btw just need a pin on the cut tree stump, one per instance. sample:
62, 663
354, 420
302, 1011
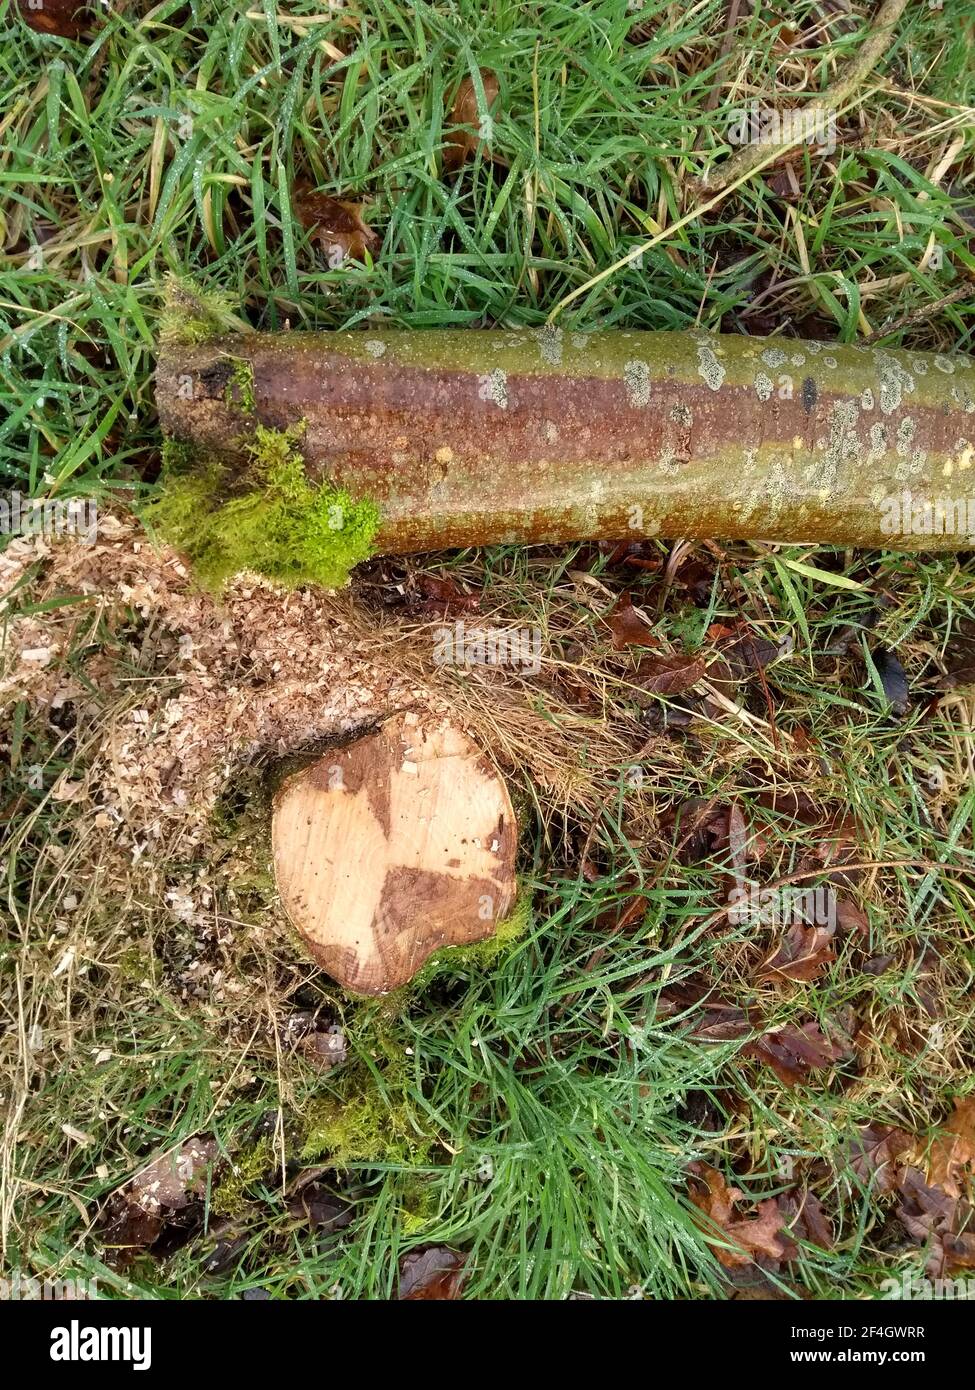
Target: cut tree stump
392, 847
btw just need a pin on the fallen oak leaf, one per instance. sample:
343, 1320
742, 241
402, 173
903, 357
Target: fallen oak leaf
462, 142
335, 224
941, 1222
68, 19
628, 627
849, 916
793, 1052
715, 1020
668, 675
747, 652
321, 1208
442, 595
749, 1237
810, 1222
434, 1272
952, 1154
802, 954
875, 1153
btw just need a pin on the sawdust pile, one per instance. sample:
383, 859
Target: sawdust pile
202, 686
169, 692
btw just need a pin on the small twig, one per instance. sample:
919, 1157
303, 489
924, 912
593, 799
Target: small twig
926, 311
876, 44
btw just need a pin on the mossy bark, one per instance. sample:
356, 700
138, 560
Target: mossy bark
475, 437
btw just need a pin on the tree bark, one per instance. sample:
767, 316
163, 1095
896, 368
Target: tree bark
475, 437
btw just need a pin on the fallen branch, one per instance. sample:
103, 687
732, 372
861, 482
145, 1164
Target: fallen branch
465, 438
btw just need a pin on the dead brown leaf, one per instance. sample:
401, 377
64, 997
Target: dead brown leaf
802, 954
942, 1223
442, 595
793, 1052
69, 19
434, 1272
751, 1237
335, 224
629, 629
467, 131
952, 1154
668, 675
875, 1153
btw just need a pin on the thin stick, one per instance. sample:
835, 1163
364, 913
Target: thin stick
876, 44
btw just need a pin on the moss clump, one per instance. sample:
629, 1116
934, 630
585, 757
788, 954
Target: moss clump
271, 520
364, 1128
194, 315
246, 1168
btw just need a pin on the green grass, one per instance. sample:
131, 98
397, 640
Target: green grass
170, 144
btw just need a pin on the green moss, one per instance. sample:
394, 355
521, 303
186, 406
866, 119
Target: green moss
246, 1168
240, 388
271, 520
364, 1128
194, 315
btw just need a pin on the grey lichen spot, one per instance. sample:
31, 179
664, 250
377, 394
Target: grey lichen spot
919, 365
682, 415
636, 377
550, 344
580, 341
773, 357
842, 445
375, 347
829, 362
709, 367
944, 364
878, 440
894, 382
668, 464
918, 459
764, 386
550, 431
814, 347
798, 359
494, 387
867, 400
905, 435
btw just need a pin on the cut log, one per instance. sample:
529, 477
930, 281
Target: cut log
392, 847
475, 437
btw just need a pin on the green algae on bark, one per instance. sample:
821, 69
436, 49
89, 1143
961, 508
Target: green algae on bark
267, 517
465, 437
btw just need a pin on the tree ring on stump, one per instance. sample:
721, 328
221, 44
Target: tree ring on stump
392, 847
